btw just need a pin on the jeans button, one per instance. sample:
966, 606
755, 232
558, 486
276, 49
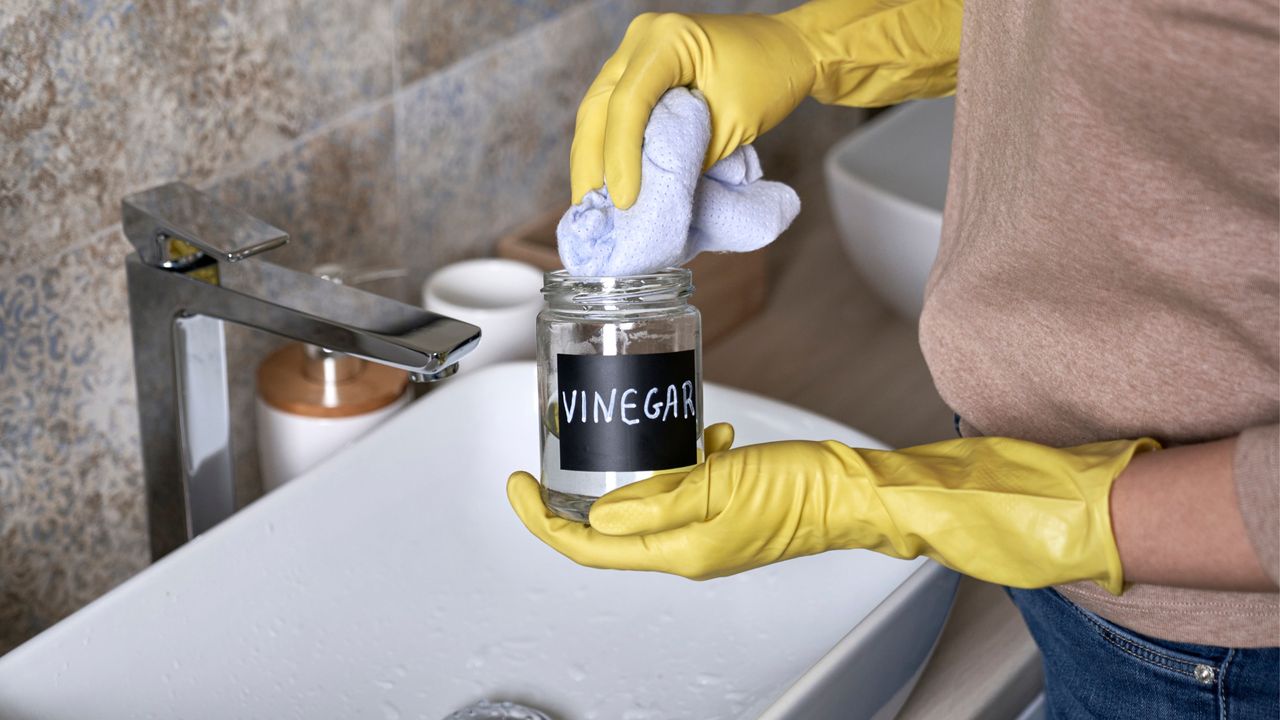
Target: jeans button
1205, 674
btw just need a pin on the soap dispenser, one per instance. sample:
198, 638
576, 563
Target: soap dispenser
312, 401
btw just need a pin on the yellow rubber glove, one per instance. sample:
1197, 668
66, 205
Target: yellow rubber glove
1001, 510
754, 70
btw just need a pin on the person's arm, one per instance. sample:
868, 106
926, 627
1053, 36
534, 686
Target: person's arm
1002, 510
998, 509
1177, 521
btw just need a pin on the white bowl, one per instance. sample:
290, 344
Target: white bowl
887, 183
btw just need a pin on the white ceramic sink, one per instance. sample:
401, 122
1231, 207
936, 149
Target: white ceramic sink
394, 581
888, 184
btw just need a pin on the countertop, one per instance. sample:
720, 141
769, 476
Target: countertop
824, 342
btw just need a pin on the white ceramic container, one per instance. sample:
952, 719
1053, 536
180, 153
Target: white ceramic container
500, 296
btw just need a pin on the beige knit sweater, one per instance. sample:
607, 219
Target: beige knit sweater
1110, 259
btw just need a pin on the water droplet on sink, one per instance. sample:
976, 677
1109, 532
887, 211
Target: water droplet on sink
389, 711
577, 673
705, 679
384, 684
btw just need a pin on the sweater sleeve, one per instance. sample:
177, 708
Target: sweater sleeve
1257, 476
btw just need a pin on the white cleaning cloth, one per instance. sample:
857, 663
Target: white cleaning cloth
679, 212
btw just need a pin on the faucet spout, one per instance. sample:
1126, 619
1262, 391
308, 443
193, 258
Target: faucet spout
196, 268
303, 307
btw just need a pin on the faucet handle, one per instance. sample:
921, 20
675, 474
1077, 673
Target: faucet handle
177, 211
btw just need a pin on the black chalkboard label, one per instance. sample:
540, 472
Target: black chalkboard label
627, 413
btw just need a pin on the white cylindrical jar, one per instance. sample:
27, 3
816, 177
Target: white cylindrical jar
620, 383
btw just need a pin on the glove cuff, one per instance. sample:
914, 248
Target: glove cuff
869, 54
1113, 581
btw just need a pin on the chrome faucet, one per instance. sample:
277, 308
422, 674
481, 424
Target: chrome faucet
194, 269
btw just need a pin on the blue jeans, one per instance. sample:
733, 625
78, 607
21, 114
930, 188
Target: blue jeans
1094, 668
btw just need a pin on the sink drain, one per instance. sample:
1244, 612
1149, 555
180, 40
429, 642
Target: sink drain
485, 710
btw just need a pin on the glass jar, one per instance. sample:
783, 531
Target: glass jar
619, 383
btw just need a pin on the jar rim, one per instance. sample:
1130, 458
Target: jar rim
657, 286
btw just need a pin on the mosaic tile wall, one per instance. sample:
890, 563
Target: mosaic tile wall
377, 132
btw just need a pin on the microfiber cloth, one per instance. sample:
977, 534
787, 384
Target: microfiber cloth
680, 211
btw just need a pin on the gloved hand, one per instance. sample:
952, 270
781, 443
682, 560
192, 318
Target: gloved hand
1001, 510
754, 70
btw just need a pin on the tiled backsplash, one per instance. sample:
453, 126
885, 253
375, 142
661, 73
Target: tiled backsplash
377, 132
